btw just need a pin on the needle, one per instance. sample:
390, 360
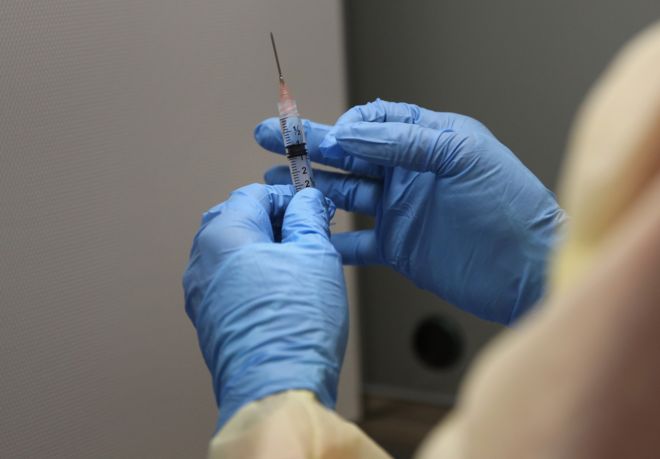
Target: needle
277, 59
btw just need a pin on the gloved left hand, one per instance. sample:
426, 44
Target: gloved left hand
270, 316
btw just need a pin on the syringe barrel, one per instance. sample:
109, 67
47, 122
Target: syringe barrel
291, 124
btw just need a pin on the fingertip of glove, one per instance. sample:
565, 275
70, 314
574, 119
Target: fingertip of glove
258, 131
266, 132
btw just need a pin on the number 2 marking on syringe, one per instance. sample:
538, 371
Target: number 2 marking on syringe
300, 173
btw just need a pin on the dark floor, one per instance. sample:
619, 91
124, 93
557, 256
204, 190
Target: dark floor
399, 426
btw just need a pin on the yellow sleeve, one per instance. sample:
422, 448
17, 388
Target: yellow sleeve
292, 425
613, 155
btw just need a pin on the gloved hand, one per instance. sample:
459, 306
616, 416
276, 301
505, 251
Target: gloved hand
270, 316
456, 212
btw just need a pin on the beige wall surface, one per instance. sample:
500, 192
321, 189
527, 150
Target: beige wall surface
120, 123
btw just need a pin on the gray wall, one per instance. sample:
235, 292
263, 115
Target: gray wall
522, 67
120, 123
519, 66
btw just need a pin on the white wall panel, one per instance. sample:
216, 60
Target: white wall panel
120, 122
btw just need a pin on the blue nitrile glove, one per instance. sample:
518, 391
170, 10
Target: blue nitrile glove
456, 212
270, 316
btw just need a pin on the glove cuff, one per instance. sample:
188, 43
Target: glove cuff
273, 377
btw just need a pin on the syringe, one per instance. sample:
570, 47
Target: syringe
293, 133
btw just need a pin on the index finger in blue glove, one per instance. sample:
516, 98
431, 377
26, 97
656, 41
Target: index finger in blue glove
268, 135
348, 192
307, 218
245, 218
406, 145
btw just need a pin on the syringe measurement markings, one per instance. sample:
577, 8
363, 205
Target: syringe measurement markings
295, 175
285, 131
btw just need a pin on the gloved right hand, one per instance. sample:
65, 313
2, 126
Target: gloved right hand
456, 212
